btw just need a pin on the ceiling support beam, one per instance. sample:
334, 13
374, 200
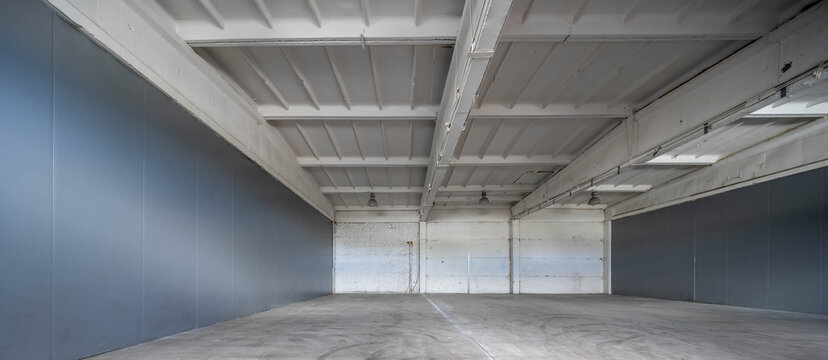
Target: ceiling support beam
741, 10
372, 58
357, 112
213, 12
340, 81
314, 8
662, 65
750, 78
405, 161
413, 89
552, 111
248, 58
549, 54
365, 8
484, 92
368, 162
419, 189
577, 10
632, 11
573, 73
300, 75
266, 15
203, 92
609, 76
687, 9
472, 54
515, 160
645, 27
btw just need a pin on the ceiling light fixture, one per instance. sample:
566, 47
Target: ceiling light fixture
593, 199
372, 202
483, 199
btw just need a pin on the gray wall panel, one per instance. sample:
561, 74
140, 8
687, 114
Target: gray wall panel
711, 249
25, 180
122, 218
763, 246
98, 199
245, 242
825, 240
747, 252
170, 152
661, 269
215, 228
795, 233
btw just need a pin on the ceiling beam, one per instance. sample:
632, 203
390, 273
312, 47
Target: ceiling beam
340, 81
211, 10
750, 77
301, 76
248, 58
356, 112
549, 27
268, 17
377, 208
317, 16
372, 189
405, 161
472, 54
368, 162
297, 32
514, 160
203, 92
552, 111
476, 198
419, 189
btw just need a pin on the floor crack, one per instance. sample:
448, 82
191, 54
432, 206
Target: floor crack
459, 328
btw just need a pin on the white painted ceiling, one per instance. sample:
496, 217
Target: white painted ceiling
354, 86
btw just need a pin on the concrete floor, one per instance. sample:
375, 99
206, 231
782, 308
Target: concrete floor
499, 327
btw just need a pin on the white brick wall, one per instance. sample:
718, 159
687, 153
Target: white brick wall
554, 251
562, 253
374, 257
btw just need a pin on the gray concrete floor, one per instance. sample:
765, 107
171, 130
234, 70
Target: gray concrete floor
499, 327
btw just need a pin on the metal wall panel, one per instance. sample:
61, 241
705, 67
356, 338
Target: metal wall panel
170, 150
123, 219
25, 180
98, 196
747, 247
245, 242
760, 246
652, 256
825, 240
216, 160
795, 233
711, 249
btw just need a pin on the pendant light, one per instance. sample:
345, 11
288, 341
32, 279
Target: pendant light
372, 202
483, 199
593, 199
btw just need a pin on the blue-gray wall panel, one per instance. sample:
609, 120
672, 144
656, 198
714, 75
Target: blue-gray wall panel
763, 246
825, 240
170, 155
215, 228
795, 233
711, 249
25, 180
122, 218
98, 116
661, 269
747, 251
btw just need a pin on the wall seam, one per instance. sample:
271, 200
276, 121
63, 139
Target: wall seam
52, 273
197, 141
143, 214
